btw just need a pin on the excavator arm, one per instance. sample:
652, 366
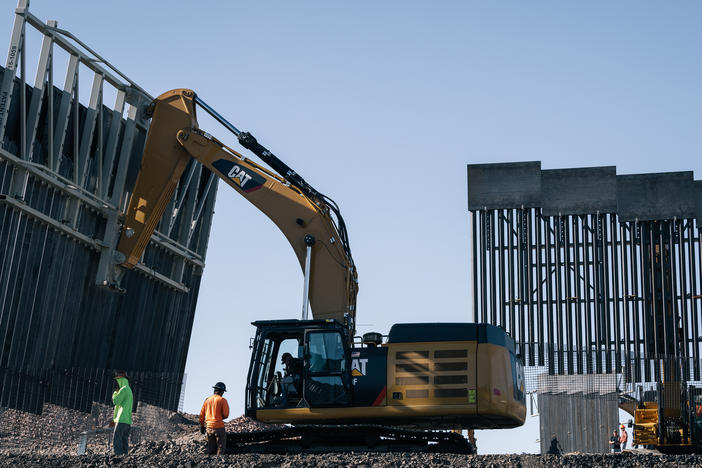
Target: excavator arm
305, 216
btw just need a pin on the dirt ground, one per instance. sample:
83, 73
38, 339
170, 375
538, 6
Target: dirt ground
190, 460
173, 440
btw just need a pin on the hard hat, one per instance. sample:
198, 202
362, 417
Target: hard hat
220, 386
622, 426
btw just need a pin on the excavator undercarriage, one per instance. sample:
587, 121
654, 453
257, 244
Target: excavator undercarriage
347, 438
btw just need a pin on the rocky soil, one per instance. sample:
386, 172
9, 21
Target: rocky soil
57, 430
191, 460
173, 440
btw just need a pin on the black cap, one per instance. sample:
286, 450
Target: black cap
220, 386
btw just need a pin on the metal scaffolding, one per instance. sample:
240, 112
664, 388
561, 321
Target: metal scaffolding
67, 165
593, 274
587, 269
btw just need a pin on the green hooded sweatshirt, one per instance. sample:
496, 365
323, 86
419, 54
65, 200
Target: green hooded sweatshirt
123, 401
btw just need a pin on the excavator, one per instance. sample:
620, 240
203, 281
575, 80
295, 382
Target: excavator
400, 391
667, 417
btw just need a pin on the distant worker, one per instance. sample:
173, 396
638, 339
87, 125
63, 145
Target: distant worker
293, 377
555, 448
614, 442
623, 437
212, 415
122, 415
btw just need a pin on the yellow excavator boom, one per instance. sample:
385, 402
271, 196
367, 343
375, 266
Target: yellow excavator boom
302, 214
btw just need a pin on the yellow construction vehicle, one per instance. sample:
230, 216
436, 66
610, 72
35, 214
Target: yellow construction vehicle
669, 419
339, 389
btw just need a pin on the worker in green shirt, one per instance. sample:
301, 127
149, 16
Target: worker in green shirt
122, 416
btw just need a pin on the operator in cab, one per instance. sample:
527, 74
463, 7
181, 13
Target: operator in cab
292, 381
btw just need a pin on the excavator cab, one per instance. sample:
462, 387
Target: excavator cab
317, 375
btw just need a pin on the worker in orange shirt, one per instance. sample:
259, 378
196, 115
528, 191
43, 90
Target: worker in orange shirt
623, 437
212, 415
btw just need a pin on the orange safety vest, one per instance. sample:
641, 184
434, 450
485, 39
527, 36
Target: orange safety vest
214, 411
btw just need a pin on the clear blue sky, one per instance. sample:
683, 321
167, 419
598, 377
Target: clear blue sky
381, 105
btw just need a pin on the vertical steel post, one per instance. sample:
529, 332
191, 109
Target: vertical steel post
549, 298
626, 304
646, 308
597, 283
606, 304
13, 55
75, 113
89, 127
521, 229
474, 258
483, 267
493, 264
666, 278
510, 266
586, 287
616, 298
528, 291
569, 300
309, 242
672, 363
693, 300
501, 247
112, 140
653, 258
50, 106
661, 412
539, 286
37, 93
558, 231
683, 292
679, 290
698, 294
23, 93
578, 295
640, 307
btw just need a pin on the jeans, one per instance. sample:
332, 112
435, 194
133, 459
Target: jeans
120, 439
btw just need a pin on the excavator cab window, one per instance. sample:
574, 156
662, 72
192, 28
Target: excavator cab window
327, 381
266, 365
277, 384
316, 374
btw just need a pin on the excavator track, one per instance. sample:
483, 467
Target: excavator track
347, 438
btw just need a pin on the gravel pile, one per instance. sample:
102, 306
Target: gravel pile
188, 441
398, 460
57, 430
50, 432
182, 446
